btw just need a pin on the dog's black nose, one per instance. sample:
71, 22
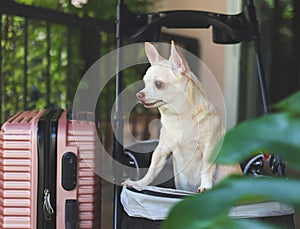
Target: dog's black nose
140, 95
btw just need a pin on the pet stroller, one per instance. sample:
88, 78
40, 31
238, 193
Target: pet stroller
227, 29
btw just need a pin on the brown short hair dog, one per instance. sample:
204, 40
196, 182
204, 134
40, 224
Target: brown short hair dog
190, 124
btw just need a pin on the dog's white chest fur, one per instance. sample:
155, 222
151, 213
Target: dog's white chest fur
188, 138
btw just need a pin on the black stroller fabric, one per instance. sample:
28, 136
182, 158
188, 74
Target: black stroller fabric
136, 202
139, 223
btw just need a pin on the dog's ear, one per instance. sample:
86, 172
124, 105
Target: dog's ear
177, 60
152, 54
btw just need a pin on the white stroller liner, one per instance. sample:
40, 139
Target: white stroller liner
154, 203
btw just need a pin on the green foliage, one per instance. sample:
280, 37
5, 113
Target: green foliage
288, 12
288, 8
19, 80
291, 104
278, 133
105, 10
66, 62
210, 209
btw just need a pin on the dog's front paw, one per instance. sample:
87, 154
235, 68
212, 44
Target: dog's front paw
203, 189
127, 183
134, 184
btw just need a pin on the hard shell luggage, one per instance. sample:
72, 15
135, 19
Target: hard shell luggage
47, 177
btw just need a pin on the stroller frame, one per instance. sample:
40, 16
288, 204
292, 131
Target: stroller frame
227, 29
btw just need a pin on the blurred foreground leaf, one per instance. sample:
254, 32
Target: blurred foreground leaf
291, 104
210, 209
276, 133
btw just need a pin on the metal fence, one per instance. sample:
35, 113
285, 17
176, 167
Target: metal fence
43, 56
45, 53
32, 39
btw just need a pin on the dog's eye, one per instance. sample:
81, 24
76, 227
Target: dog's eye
158, 84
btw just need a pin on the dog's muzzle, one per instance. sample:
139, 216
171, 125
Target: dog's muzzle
141, 97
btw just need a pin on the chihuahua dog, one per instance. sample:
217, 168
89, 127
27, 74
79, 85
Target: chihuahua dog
190, 128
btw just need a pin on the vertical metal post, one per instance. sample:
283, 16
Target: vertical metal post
25, 67
118, 122
48, 56
69, 58
1, 74
253, 23
278, 164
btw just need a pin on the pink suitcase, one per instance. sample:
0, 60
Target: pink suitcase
47, 177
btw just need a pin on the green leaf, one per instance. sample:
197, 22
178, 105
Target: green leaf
28, 2
276, 133
209, 209
291, 104
240, 223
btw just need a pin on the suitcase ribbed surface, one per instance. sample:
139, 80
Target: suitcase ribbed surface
18, 171
83, 135
17, 182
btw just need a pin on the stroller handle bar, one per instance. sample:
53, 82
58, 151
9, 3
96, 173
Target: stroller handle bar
227, 29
